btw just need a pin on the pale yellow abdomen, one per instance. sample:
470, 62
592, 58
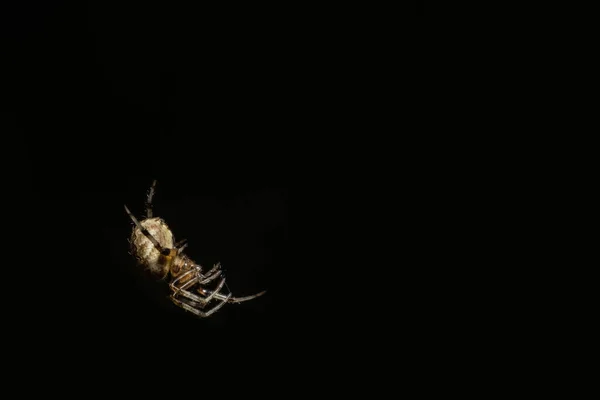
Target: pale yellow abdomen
145, 251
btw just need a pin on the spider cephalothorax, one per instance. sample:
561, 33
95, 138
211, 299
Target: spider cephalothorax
154, 247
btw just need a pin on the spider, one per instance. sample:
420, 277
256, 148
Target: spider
154, 247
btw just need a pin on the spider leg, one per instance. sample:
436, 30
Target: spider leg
199, 313
194, 303
145, 232
202, 300
180, 245
220, 296
208, 277
216, 293
174, 286
184, 298
183, 288
217, 290
149, 200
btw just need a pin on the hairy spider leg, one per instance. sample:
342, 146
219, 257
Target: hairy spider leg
220, 296
197, 301
180, 245
161, 249
207, 278
195, 280
149, 214
149, 199
230, 299
193, 310
210, 275
193, 302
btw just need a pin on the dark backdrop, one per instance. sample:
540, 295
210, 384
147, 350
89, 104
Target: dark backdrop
219, 104
100, 100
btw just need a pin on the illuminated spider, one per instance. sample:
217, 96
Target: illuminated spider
152, 244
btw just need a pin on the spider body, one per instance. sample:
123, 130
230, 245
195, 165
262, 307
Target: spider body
145, 251
154, 247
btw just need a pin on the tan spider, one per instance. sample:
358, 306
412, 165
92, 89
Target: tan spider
153, 245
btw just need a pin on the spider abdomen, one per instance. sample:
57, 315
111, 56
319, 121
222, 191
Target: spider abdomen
145, 251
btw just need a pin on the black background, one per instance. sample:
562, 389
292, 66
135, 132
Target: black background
219, 105
100, 100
